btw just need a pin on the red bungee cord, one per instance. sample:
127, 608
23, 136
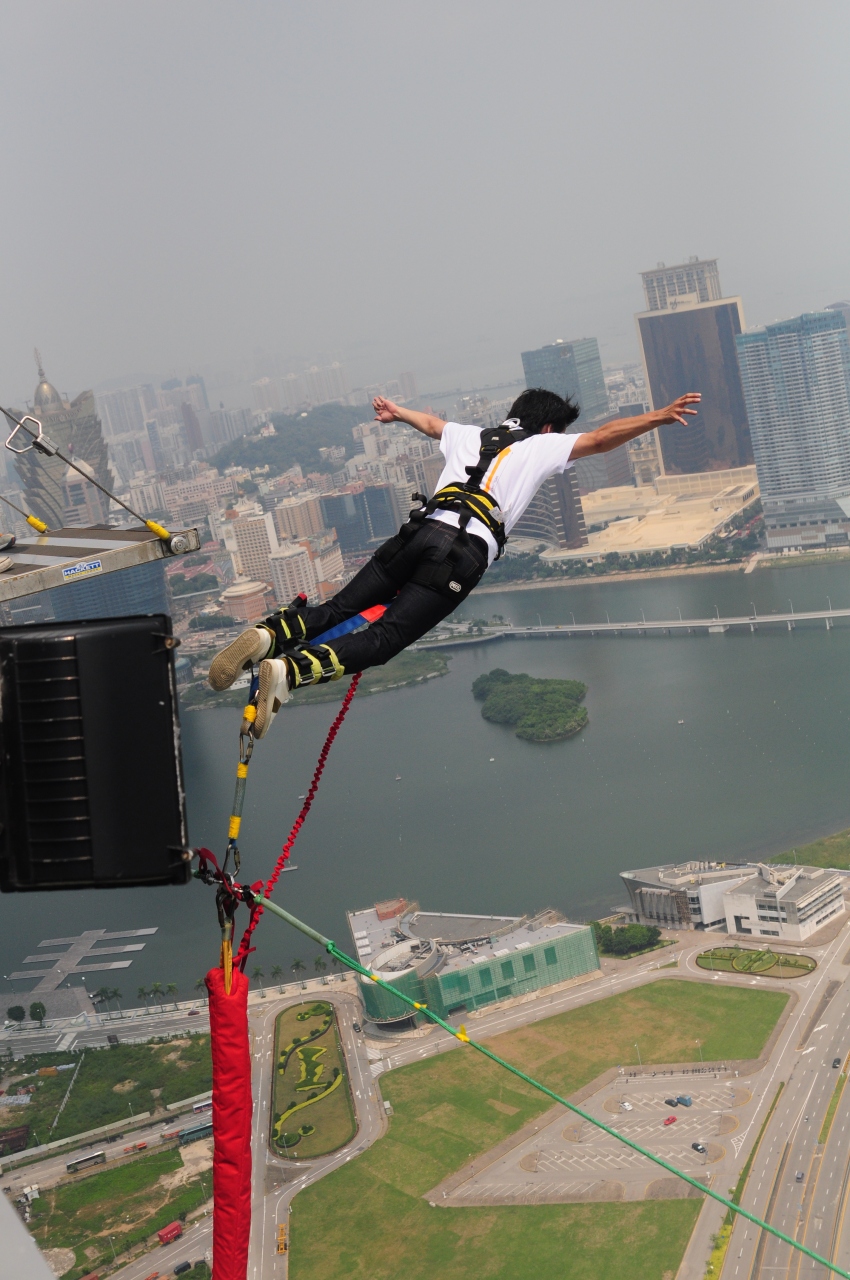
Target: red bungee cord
231, 1057
245, 948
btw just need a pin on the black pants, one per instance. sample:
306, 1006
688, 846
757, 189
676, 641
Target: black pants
414, 610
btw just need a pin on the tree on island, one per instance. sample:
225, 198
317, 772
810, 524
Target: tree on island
540, 710
17, 1013
38, 1012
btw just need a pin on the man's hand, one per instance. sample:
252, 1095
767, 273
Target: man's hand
427, 423
385, 410
620, 431
678, 410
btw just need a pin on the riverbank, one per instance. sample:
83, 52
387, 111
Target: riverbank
408, 668
674, 571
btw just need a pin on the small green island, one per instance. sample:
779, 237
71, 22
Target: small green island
539, 710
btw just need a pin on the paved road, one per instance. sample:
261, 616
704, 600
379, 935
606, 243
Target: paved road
809, 1076
801, 1060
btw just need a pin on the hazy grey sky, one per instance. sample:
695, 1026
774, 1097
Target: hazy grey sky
436, 187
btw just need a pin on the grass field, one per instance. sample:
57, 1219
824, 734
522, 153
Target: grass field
368, 1221
127, 1203
313, 1113
831, 851
110, 1083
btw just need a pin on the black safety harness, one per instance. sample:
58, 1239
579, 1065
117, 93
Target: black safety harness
468, 501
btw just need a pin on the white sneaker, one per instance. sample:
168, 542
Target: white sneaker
245, 650
273, 692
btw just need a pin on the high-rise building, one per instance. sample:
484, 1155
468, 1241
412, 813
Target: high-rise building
570, 369
554, 515
361, 514
293, 572
687, 336
255, 540
299, 517
698, 279
796, 379
76, 429
407, 383
85, 505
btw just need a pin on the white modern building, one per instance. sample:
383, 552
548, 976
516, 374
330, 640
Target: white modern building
790, 903
765, 901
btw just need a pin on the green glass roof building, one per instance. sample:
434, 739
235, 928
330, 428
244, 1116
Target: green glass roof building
457, 963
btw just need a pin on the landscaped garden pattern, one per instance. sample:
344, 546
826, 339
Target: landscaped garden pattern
128, 1203
761, 963
112, 1084
368, 1220
312, 1109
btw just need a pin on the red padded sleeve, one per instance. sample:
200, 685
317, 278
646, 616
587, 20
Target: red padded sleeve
231, 1064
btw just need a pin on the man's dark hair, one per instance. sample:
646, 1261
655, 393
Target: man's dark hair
536, 408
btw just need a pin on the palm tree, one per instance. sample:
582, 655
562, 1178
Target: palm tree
258, 976
101, 996
298, 966
171, 990
157, 991
277, 974
115, 994
143, 994
319, 965
201, 986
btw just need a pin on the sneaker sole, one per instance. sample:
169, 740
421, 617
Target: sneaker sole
268, 704
231, 662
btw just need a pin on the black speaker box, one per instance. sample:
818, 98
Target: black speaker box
91, 779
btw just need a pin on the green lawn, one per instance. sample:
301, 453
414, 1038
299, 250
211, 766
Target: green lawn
831, 851
761, 963
368, 1221
127, 1202
176, 1068
311, 1102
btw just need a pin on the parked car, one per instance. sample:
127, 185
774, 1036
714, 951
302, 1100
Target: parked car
194, 1013
697, 1146
685, 1100
799, 1177
836, 1062
356, 1026
670, 1120
181, 1267
627, 1106
671, 1102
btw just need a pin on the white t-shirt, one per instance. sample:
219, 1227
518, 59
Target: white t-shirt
513, 477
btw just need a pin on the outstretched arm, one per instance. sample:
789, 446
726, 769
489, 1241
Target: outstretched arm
621, 430
427, 423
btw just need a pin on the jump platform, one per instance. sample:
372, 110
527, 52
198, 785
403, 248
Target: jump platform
63, 556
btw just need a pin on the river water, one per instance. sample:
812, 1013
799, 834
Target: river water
424, 798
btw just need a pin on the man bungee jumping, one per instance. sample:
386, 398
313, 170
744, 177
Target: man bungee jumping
440, 553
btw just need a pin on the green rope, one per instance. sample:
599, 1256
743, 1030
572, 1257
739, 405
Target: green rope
461, 1035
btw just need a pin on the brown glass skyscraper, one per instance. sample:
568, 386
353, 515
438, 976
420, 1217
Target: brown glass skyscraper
688, 344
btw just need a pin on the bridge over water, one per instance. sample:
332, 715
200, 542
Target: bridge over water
642, 627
